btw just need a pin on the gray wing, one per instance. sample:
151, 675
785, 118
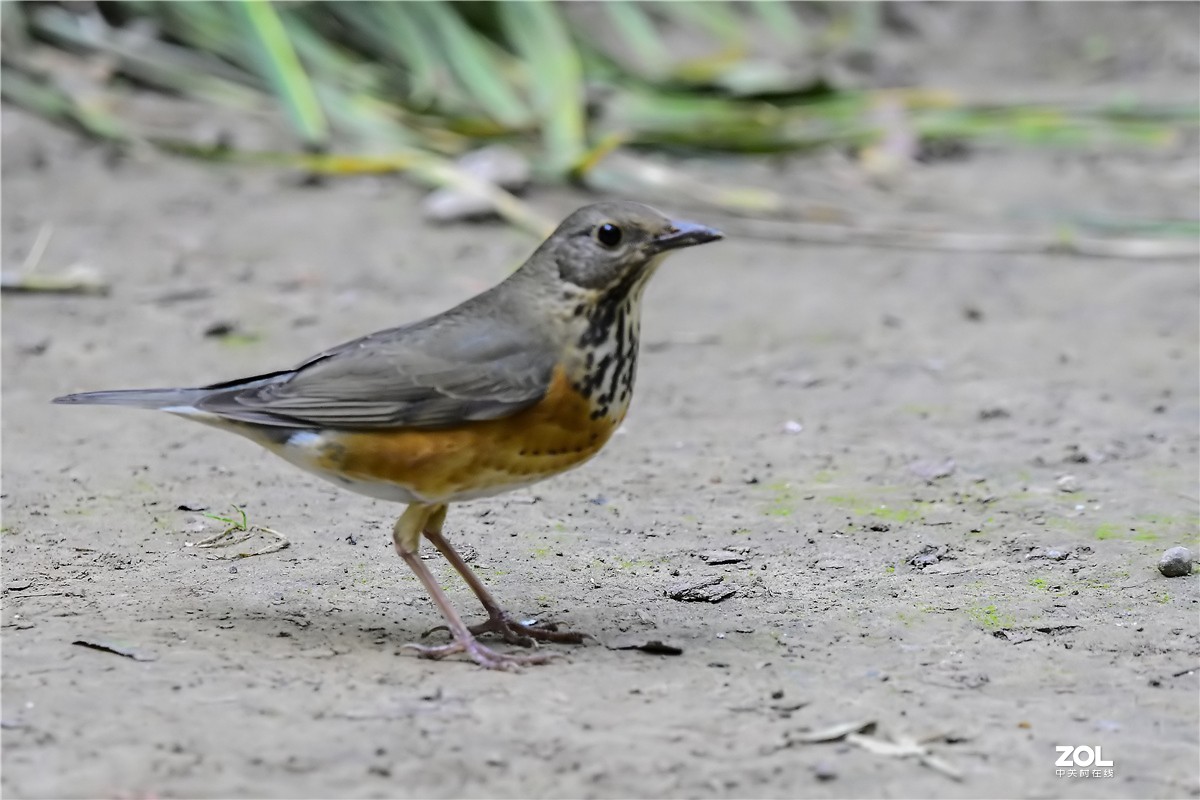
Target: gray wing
449, 369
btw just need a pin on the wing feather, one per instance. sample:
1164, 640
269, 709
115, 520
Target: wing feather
454, 368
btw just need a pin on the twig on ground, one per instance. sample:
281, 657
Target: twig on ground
242, 526
34, 258
80, 280
116, 650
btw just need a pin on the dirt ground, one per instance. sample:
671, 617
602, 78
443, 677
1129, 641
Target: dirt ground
796, 410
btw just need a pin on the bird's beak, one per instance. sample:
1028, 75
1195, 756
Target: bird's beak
685, 234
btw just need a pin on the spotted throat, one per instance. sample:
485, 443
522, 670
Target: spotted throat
605, 366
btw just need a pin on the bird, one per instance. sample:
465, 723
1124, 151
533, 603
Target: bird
524, 381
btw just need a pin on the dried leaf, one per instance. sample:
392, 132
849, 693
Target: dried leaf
653, 646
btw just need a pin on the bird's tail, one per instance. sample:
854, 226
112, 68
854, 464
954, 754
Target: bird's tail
164, 399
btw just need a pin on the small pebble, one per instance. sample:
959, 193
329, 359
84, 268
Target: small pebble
221, 329
1068, 484
1176, 562
824, 771
932, 470
928, 555
233, 570
1048, 553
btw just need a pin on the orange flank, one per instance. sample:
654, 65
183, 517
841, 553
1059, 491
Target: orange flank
474, 458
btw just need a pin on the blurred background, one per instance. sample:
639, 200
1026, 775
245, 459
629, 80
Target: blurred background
696, 103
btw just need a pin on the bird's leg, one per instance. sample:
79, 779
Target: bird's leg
499, 621
407, 537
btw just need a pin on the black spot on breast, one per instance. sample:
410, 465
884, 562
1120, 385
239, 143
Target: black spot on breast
612, 318
622, 356
603, 314
595, 377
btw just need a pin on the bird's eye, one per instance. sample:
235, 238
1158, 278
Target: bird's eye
608, 235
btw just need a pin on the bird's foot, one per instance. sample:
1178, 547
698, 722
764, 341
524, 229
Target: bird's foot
481, 655
522, 634
526, 634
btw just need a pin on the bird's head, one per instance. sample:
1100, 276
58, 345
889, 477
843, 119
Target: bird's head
609, 245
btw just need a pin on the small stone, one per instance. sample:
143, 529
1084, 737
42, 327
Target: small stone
824, 771
233, 570
1067, 483
1047, 553
499, 165
34, 348
791, 426
929, 555
707, 590
932, 470
221, 329
1176, 562
716, 557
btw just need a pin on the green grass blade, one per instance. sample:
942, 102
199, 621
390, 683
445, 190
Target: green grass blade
474, 64
555, 74
53, 103
206, 26
150, 61
326, 60
19, 89
369, 120
281, 66
393, 34
13, 31
717, 18
638, 33
430, 77
866, 24
781, 22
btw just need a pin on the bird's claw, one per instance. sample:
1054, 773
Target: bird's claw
522, 634
481, 655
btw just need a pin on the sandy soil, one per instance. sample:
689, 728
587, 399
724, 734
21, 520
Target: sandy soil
282, 676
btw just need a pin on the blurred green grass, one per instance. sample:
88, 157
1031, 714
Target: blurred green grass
408, 86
